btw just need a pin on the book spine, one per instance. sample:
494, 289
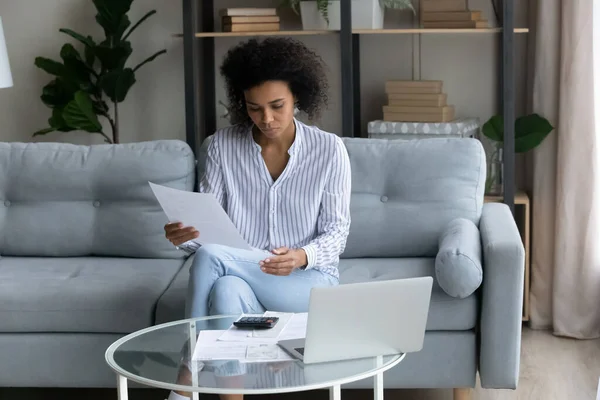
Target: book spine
245, 12
446, 110
452, 16
250, 20
421, 84
435, 102
443, 5
413, 90
251, 27
455, 24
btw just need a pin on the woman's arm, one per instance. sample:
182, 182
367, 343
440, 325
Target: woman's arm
212, 180
333, 223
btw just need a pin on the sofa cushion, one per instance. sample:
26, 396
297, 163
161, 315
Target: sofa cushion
65, 200
87, 294
445, 313
404, 193
458, 262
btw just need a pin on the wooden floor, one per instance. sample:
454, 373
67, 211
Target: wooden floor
552, 368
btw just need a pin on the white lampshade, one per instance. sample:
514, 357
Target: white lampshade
5, 75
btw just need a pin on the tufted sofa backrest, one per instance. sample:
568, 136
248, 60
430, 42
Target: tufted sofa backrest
64, 200
404, 193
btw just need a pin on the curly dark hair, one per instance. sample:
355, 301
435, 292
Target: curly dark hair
254, 62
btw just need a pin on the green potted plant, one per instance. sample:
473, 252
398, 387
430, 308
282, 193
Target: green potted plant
85, 84
325, 14
530, 132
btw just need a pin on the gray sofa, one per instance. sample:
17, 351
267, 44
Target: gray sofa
84, 260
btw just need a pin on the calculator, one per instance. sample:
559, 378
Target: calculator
256, 322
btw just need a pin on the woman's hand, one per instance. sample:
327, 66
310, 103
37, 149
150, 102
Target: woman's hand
178, 234
284, 261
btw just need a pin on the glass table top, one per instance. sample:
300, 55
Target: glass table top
161, 357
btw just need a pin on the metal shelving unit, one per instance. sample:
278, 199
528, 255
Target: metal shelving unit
199, 58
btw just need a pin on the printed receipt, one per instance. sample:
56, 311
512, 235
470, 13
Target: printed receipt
203, 212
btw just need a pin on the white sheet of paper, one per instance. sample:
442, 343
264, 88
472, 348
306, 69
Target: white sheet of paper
208, 347
203, 212
295, 328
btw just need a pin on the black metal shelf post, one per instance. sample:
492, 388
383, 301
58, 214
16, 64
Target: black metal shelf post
508, 102
190, 20
347, 63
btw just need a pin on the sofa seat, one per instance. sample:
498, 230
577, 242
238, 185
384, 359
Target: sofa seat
82, 294
445, 313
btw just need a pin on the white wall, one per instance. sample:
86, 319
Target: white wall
154, 108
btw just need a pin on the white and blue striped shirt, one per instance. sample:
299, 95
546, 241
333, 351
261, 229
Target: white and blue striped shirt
307, 207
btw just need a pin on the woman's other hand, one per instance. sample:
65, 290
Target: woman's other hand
177, 234
284, 261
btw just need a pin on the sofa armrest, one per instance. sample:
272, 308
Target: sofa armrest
502, 298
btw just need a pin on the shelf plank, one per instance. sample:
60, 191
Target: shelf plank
355, 31
423, 30
266, 33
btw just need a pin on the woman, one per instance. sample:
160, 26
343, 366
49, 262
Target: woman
284, 184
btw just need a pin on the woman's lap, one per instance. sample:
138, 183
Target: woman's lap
275, 293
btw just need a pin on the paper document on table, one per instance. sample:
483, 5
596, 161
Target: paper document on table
208, 347
289, 326
201, 211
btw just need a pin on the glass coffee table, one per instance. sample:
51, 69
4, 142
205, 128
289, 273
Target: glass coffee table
161, 357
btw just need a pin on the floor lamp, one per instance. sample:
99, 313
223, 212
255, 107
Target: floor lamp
5, 75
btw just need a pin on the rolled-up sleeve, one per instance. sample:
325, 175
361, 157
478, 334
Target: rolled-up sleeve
334, 214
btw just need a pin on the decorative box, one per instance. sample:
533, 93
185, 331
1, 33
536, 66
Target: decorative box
459, 128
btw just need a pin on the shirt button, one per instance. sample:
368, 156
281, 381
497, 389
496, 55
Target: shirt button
7, 203
384, 199
96, 204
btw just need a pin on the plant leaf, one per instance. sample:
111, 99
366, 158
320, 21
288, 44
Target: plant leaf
149, 59
57, 93
75, 67
87, 41
57, 121
323, 6
79, 114
90, 57
530, 141
112, 17
531, 123
133, 28
494, 128
116, 84
43, 131
115, 57
50, 66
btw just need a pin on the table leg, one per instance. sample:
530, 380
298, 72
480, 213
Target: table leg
378, 387
335, 392
122, 387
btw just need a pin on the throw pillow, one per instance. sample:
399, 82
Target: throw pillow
458, 262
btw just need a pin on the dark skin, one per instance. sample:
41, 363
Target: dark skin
271, 108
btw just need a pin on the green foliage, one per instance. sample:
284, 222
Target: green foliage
530, 131
83, 83
323, 5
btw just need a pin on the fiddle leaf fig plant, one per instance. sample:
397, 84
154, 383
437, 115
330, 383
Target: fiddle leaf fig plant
323, 5
86, 83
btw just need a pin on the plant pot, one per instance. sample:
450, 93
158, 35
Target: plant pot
366, 14
494, 185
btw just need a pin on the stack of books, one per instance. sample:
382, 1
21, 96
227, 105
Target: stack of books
249, 20
417, 101
450, 14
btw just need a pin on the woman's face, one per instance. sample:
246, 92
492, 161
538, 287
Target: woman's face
271, 107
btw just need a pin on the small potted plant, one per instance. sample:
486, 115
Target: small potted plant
325, 14
530, 132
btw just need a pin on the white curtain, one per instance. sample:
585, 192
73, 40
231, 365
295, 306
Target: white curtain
565, 292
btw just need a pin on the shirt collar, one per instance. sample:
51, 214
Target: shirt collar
296, 145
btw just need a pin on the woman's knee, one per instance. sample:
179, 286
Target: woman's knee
232, 295
206, 257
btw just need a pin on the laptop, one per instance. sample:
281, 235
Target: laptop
361, 320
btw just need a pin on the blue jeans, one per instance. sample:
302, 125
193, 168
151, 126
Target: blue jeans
225, 280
